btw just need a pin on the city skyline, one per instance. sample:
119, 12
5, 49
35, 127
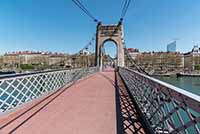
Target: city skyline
106, 51
59, 26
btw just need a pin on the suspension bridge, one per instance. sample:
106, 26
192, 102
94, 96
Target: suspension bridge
97, 100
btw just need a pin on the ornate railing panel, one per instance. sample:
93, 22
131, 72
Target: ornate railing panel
16, 90
167, 109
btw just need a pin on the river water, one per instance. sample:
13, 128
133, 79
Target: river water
191, 84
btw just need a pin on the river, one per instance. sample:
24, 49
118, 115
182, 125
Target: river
191, 84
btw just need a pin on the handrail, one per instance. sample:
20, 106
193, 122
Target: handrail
167, 108
32, 73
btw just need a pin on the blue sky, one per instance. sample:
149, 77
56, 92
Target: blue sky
58, 25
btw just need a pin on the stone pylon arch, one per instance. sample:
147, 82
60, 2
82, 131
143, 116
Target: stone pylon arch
106, 33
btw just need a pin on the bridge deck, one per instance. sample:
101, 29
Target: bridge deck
89, 106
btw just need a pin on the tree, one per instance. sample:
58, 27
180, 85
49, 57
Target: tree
27, 67
197, 67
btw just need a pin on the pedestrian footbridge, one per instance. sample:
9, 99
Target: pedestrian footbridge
87, 101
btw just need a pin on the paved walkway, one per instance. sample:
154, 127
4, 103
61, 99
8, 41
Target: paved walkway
87, 107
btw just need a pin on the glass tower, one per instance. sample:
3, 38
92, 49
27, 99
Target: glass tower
171, 47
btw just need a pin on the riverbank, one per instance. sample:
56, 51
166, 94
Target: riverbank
8, 72
187, 74
164, 75
176, 75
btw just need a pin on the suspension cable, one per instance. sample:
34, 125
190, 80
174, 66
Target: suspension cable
133, 63
125, 9
86, 47
85, 10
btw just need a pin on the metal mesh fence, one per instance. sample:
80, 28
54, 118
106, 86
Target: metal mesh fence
19, 89
168, 109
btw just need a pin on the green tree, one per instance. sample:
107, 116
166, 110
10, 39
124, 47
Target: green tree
197, 67
27, 67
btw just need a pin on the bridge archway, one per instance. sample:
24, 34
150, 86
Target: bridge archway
107, 33
109, 53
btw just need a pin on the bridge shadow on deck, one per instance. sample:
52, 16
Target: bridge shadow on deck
128, 121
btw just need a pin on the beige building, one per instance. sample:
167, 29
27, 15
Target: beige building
11, 60
192, 59
34, 59
56, 59
39, 60
161, 62
25, 58
78, 60
133, 52
11, 63
1, 62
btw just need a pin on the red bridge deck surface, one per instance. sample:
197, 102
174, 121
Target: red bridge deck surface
87, 107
